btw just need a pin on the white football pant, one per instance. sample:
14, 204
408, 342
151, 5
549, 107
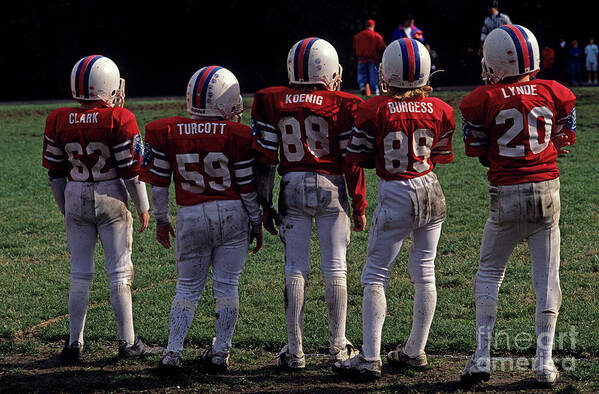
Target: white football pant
305, 197
214, 233
516, 212
92, 209
416, 208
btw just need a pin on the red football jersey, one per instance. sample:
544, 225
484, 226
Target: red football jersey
312, 129
404, 137
209, 159
512, 125
94, 144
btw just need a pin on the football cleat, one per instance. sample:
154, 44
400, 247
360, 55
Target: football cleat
545, 372
139, 348
216, 361
358, 367
286, 360
399, 359
71, 353
347, 351
476, 371
170, 362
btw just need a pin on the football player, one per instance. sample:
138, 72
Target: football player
210, 159
97, 146
309, 123
404, 133
514, 125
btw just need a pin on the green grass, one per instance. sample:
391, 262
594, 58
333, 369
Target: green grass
34, 260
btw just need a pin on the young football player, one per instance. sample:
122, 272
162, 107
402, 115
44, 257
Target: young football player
514, 125
97, 146
210, 159
404, 133
310, 123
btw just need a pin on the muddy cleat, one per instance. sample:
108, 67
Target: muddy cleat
347, 351
139, 348
399, 359
358, 368
286, 360
476, 371
215, 361
170, 362
545, 372
71, 353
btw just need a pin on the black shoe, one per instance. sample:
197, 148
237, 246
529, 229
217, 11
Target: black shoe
71, 353
139, 348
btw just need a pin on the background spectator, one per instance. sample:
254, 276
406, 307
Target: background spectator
575, 63
408, 30
493, 21
591, 51
561, 60
548, 58
369, 47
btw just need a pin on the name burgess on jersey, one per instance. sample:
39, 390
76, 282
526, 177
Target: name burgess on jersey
410, 106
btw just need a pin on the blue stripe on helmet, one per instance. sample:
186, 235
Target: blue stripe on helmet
405, 60
531, 55
296, 60
205, 87
77, 92
307, 58
416, 59
195, 86
86, 77
519, 52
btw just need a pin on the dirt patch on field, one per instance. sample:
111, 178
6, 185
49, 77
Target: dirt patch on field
249, 372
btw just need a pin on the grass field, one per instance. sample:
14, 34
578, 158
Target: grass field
34, 282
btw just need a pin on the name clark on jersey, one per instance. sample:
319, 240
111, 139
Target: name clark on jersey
303, 98
75, 118
530, 90
200, 128
410, 106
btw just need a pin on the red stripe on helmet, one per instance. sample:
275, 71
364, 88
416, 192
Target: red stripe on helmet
82, 73
525, 54
300, 59
411, 58
202, 76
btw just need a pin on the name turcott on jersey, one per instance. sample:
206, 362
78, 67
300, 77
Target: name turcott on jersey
201, 128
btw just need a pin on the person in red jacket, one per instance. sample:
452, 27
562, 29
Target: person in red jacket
369, 45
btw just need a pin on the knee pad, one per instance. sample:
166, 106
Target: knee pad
226, 302
80, 285
294, 278
337, 280
183, 303
222, 290
123, 277
82, 277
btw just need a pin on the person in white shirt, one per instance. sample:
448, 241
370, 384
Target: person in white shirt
591, 52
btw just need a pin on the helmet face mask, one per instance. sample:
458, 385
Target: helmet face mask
509, 51
314, 61
406, 64
97, 78
213, 91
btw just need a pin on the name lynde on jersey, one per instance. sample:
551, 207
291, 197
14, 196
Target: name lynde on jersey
75, 118
200, 128
303, 98
410, 106
512, 91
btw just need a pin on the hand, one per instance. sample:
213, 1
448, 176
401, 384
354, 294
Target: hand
359, 222
258, 235
162, 234
144, 219
559, 142
270, 219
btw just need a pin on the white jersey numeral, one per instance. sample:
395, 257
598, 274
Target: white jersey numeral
396, 150
216, 165
80, 172
536, 145
317, 137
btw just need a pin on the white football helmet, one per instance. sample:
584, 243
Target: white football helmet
406, 63
214, 91
314, 61
97, 78
508, 51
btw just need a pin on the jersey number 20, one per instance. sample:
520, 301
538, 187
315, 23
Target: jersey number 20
534, 141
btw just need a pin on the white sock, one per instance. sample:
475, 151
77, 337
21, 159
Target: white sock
227, 313
78, 300
181, 316
486, 314
545, 322
336, 299
425, 301
374, 309
294, 313
120, 298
